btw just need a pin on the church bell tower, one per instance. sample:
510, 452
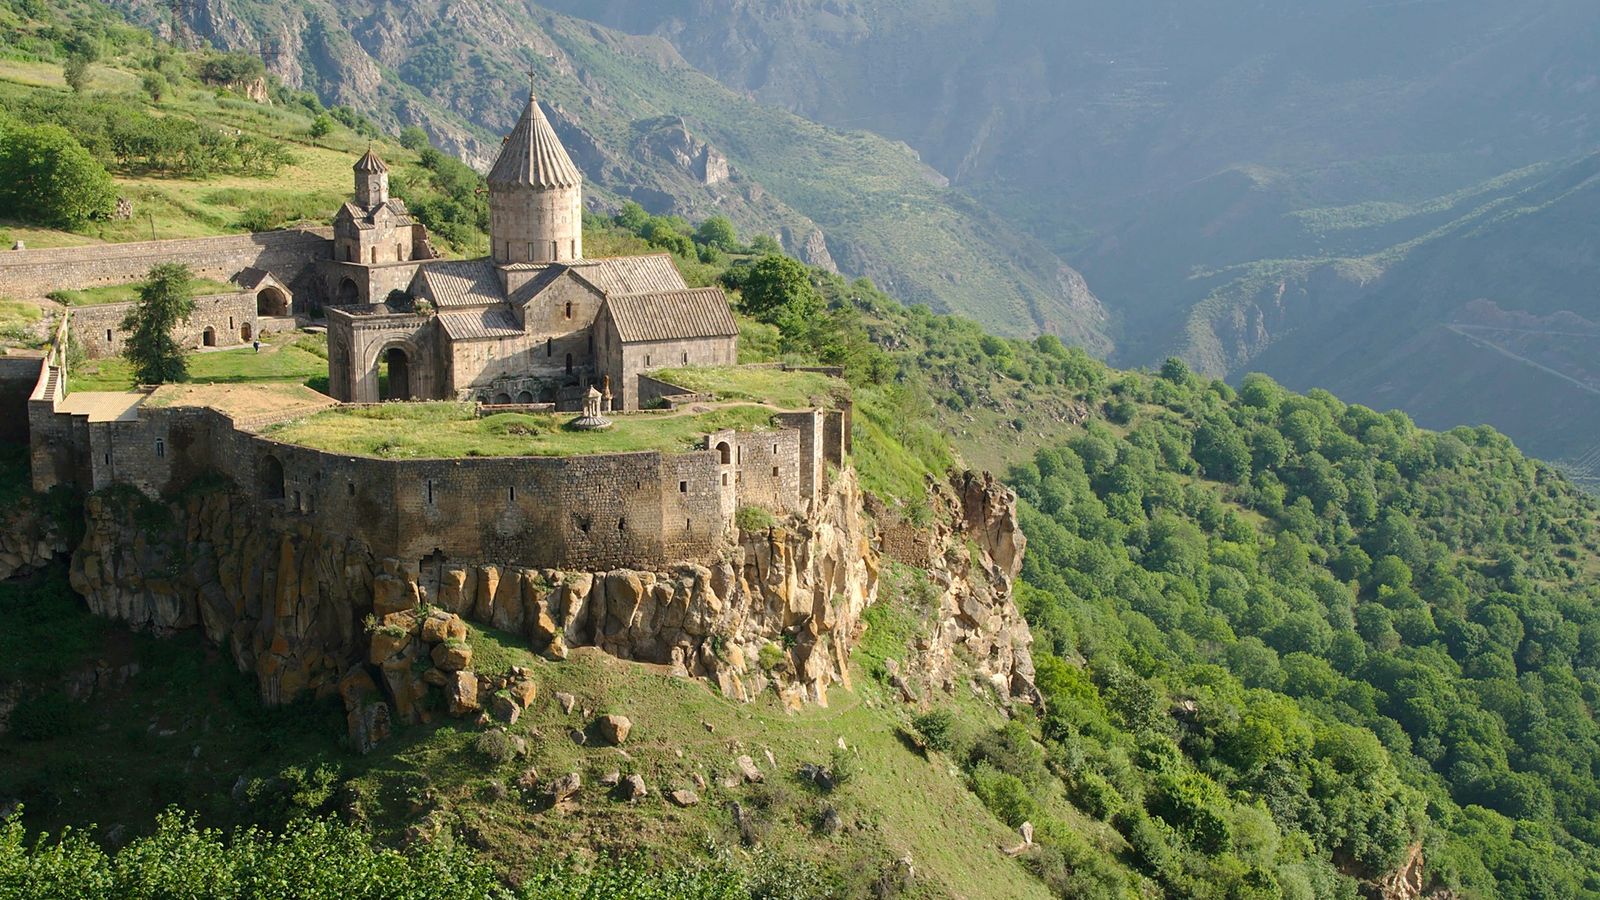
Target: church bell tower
535, 196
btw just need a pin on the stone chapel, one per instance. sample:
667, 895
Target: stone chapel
533, 322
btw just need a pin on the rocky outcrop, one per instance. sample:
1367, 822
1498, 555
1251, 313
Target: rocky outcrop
971, 555
29, 539
778, 609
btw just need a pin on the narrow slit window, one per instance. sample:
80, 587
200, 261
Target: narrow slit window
569, 309
511, 493
430, 492
350, 488
774, 471
108, 335
161, 448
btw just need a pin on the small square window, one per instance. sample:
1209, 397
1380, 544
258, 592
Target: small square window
774, 471
683, 487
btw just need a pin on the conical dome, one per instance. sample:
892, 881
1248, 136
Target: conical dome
370, 163
533, 155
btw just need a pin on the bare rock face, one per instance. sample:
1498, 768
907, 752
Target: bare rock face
613, 729
28, 540
778, 610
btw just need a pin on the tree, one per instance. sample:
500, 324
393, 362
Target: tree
155, 85
166, 298
778, 290
414, 139
47, 177
76, 73
321, 126
717, 232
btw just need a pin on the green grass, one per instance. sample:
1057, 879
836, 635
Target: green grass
19, 321
443, 429
291, 361
788, 390
123, 293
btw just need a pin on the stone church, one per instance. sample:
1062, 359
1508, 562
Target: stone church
533, 322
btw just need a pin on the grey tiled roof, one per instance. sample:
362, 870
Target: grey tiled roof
250, 276
533, 156
631, 274
484, 323
370, 163
672, 315
456, 283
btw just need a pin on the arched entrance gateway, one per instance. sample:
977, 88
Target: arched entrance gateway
271, 301
348, 292
394, 375
271, 478
208, 338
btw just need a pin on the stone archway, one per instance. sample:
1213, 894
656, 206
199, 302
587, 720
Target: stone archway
271, 478
245, 333
271, 301
208, 338
349, 292
394, 374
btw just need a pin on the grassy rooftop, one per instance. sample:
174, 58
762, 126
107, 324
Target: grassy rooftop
123, 293
444, 430
297, 358
789, 390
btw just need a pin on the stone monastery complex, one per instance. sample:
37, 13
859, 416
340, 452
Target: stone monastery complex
534, 327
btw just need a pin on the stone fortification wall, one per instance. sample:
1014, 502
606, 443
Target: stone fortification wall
19, 374
230, 318
289, 255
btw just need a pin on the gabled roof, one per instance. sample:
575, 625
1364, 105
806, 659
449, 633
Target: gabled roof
532, 155
250, 278
361, 218
479, 324
370, 163
631, 274
672, 315
458, 283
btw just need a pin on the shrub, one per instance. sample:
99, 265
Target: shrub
843, 766
753, 518
935, 727
496, 746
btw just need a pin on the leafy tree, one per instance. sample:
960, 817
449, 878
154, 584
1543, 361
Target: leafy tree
166, 298
414, 139
717, 232
48, 177
778, 290
154, 85
76, 73
321, 126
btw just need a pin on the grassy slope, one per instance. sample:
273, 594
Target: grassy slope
186, 728
312, 186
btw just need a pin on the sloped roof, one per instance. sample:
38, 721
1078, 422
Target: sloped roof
631, 274
672, 315
362, 218
251, 277
479, 324
370, 163
532, 155
463, 282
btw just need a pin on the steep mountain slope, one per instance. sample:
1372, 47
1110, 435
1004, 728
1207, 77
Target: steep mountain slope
457, 67
1490, 318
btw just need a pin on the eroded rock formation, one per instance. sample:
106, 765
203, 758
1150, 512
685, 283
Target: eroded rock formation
780, 608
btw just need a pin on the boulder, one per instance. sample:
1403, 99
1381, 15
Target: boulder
632, 789
461, 693
748, 770
563, 788
391, 595
387, 641
613, 729
567, 701
523, 688
436, 627
505, 709
684, 797
453, 656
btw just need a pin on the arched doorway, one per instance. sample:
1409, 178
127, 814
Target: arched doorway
502, 398
349, 292
271, 478
271, 301
245, 332
725, 453
208, 338
394, 375
525, 397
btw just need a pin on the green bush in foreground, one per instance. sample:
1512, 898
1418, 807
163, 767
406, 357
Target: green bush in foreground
322, 858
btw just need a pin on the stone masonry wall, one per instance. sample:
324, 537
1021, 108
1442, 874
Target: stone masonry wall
98, 329
289, 255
